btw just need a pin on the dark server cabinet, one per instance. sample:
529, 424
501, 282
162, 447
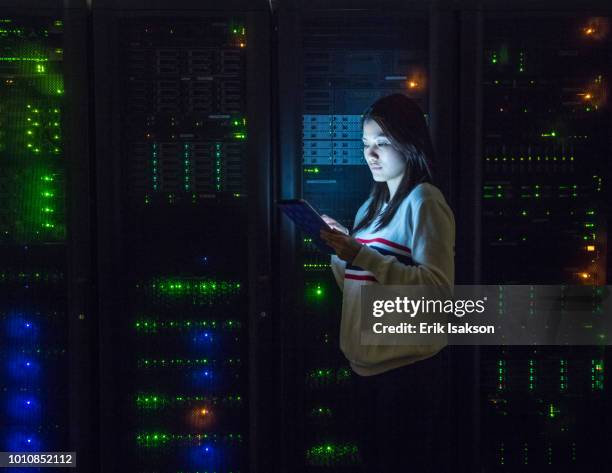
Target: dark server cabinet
182, 152
545, 163
46, 379
335, 59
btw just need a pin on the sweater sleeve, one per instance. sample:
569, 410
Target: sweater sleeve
432, 250
338, 266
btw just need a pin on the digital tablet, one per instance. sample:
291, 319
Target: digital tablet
308, 220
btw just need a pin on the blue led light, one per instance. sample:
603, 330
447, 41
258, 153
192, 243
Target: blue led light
22, 442
206, 456
21, 328
24, 408
203, 338
204, 378
23, 367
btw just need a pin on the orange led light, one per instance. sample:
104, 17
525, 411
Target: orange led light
590, 248
416, 80
585, 275
201, 417
596, 28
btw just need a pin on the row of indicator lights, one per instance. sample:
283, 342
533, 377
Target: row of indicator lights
316, 266
159, 438
180, 287
239, 123
585, 96
218, 160
597, 375
528, 158
597, 292
183, 362
321, 377
31, 277
500, 192
154, 166
171, 197
526, 213
333, 454
152, 326
186, 167
535, 187
236, 30
525, 453
587, 248
157, 401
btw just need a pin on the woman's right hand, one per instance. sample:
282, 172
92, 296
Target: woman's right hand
334, 224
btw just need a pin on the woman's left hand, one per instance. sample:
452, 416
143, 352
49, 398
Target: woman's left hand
346, 246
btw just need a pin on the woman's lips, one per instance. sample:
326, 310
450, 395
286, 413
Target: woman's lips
375, 168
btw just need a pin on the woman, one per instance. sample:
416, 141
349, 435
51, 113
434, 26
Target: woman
403, 234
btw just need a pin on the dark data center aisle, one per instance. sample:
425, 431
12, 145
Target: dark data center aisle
159, 314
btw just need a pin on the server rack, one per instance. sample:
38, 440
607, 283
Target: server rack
48, 323
182, 97
335, 59
545, 165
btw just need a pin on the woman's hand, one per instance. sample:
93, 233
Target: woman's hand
334, 224
346, 246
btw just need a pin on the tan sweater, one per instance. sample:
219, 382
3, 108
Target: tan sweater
416, 248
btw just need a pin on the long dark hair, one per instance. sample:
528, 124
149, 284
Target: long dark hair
402, 121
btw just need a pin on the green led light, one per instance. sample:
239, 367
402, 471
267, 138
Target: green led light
553, 411
321, 412
326, 377
315, 291
333, 454
597, 374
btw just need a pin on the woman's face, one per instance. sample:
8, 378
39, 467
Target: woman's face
386, 163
